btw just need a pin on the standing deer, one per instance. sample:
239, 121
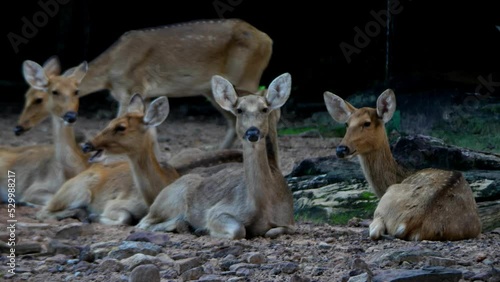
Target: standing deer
429, 204
179, 61
236, 202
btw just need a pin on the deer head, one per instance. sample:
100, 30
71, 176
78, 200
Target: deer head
365, 126
34, 110
126, 134
252, 111
61, 91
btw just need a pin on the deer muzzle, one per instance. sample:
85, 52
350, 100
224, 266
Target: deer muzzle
342, 151
70, 117
18, 130
252, 134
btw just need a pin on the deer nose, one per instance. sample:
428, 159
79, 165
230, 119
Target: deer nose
18, 130
70, 117
342, 151
87, 147
252, 134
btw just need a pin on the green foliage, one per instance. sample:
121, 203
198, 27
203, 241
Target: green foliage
477, 133
394, 123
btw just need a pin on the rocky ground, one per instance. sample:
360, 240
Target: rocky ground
70, 250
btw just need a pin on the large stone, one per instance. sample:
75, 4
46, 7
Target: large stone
130, 248
420, 151
70, 231
151, 237
145, 273
138, 259
430, 274
56, 247
183, 265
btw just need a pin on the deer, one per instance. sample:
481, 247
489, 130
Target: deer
44, 168
179, 61
236, 202
429, 204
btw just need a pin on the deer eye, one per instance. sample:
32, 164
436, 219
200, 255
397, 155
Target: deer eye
54, 92
239, 111
346, 124
265, 110
367, 124
38, 101
76, 92
120, 128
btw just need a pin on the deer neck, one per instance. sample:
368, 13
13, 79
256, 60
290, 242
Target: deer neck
381, 170
67, 151
148, 175
258, 174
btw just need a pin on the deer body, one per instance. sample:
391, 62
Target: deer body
235, 202
179, 61
429, 204
105, 191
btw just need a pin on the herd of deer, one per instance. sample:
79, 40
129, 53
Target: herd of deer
222, 60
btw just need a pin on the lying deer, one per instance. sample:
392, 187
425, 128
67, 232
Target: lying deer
429, 204
179, 61
45, 168
238, 202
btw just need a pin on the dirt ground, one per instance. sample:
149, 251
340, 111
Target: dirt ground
317, 252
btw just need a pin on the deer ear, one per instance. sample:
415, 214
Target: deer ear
52, 66
35, 75
157, 112
224, 93
339, 109
279, 91
386, 105
136, 104
77, 72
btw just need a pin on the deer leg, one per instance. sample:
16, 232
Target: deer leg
377, 228
277, 231
226, 226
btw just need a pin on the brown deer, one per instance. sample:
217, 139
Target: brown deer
238, 202
44, 168
429, 204
179, 61
129, 134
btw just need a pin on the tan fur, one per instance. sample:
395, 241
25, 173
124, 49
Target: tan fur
107, 191
237, 202
430, 204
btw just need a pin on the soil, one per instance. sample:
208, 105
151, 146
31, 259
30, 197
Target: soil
317, 252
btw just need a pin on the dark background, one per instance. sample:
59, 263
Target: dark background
438, 47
